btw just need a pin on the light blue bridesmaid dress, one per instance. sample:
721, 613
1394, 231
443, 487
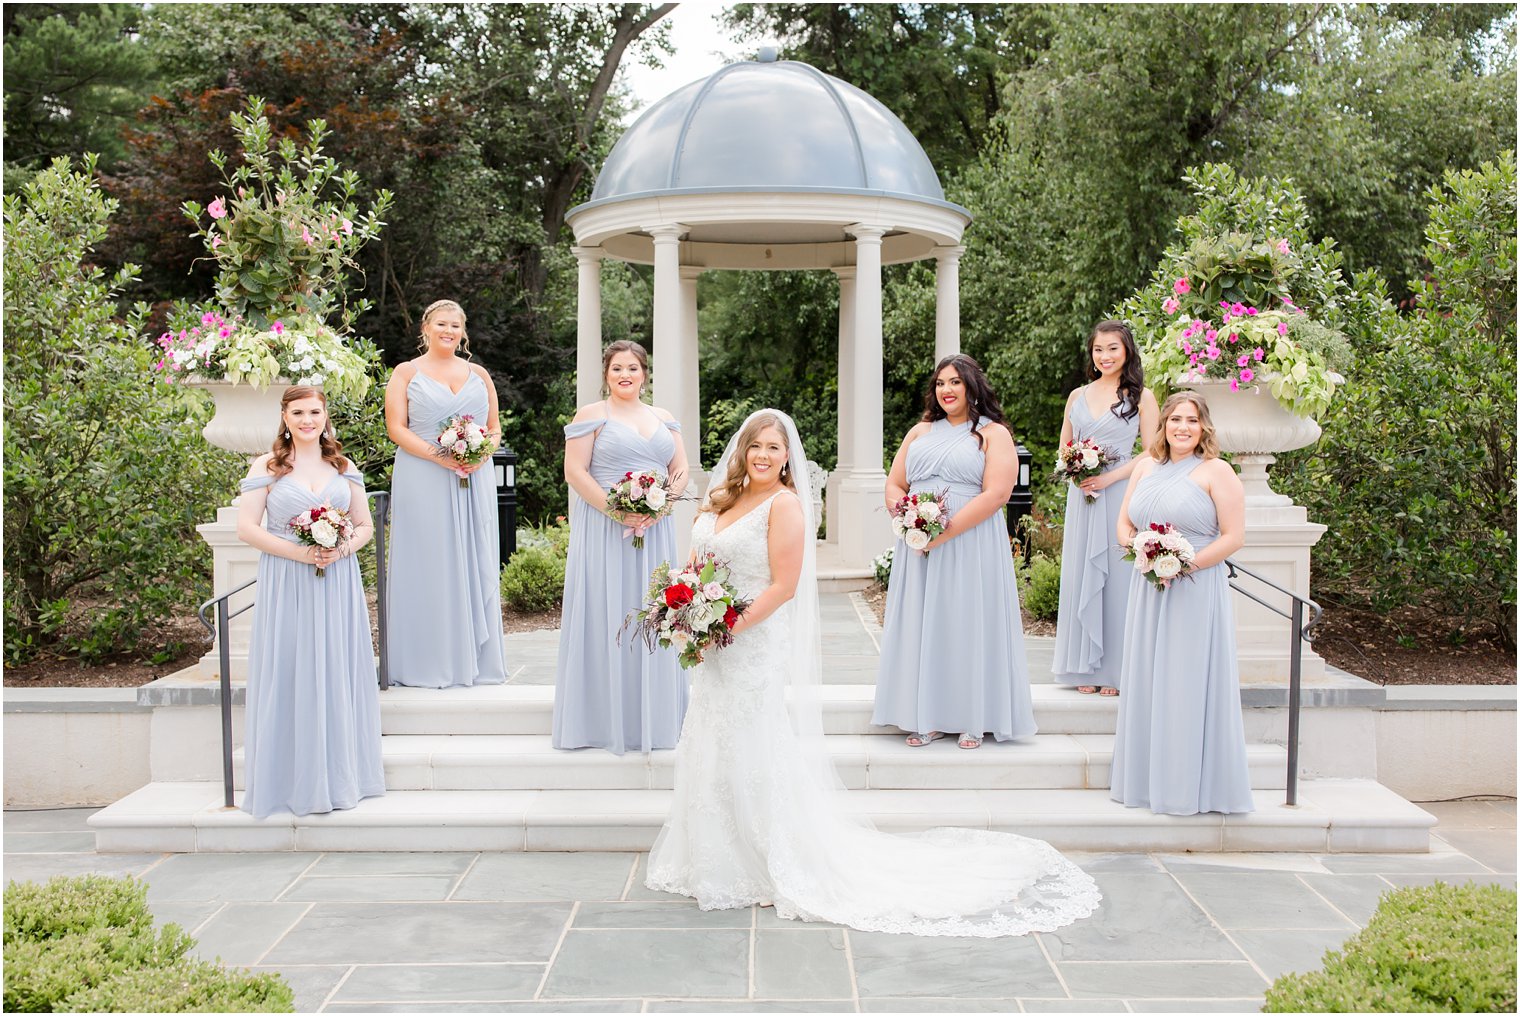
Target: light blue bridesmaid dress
1094, 583
445, 558
622, 698
311, 732
1181, 744
952, 651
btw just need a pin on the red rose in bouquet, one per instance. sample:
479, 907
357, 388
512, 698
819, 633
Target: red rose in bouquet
677, 596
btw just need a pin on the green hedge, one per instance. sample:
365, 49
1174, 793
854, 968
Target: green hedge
1438, 948
534, 579
1040, 586
87, 944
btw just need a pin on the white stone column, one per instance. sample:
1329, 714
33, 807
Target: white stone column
671, 365
947, 301
864, 530
691, 418
588, 326
233, 562
847, 384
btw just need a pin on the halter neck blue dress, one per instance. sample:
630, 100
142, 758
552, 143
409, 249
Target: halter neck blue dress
952, 649
1181, 744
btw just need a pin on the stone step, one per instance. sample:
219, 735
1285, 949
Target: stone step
1331, 816
529, 709
863, 761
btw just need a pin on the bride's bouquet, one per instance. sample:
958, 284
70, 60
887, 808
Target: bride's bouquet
692, 611
323, 526
464, 441
919, 518
639, 494
1078, 460
1160, 553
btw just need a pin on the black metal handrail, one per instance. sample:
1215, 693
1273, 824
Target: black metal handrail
1300, 634
218, 631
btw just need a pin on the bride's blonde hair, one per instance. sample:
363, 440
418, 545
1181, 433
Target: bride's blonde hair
723, 495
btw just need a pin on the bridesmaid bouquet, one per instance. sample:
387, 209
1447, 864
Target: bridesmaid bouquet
1078, 460
465, 441
1160, 553
639, 494
322, 526
919, 518
692, 611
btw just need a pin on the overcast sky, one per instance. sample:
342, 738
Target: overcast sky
701, 46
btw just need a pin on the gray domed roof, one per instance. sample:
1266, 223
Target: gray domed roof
764, 126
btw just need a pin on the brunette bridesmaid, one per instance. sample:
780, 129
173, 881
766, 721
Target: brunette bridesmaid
445, 559
311, 737
1112, 411
952, 652
1181, 746
618, 697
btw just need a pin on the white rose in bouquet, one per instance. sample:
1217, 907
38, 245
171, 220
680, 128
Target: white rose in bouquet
916, 539
898, 528
713, 591
447, 438
655, 497
1167, 567
679, 639
928, 511
325, 533
701, 616
1089, 458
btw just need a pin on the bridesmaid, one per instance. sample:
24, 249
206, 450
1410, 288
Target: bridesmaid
952, 653
311, 737
1112, 411
1181, 744
445, 585
620, 698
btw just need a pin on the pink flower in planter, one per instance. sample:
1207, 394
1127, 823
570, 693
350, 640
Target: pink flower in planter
1283, 248
1282, 328
216, 242
306, 235
1212, 352
1182, 286
1168, 305
1248, 375
217, 209
1241, 361
1259, 354
1234, 385
278, 328
348, 228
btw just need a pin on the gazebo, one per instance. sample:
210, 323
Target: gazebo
772, 164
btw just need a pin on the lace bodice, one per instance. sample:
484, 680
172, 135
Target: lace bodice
743, 544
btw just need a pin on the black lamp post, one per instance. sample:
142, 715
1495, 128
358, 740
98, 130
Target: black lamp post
1021, 503
504, 461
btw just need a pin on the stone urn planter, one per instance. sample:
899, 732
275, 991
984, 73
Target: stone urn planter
1254, 429
245, 418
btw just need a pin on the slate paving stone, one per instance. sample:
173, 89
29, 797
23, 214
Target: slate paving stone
1356, 896
652, 914
1261, 900
1493, 847
1447, 862
1073, 1005
311, 984
188, 916
829, 1005
914, 1005
41, 867
383, 862
233, 878
424, 933
547, 876
371, 888
651, 964
810, 964
441, 982
1124, 927
1481, 878
1288, 952
1162, 980
48, 820
49, 842
241, 933
904, 966
1194, 1005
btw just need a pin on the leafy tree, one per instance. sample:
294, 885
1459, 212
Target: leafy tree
74, 75
1415, 473
105, 472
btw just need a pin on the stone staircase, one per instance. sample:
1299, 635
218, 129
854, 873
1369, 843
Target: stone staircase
472, 769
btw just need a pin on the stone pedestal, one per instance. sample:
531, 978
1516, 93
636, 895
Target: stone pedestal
1252, 427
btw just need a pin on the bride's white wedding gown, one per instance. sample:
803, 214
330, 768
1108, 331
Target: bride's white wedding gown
751, 822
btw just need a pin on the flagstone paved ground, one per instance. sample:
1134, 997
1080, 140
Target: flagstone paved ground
499, 932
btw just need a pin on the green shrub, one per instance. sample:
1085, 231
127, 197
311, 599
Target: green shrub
87, 944
106, 474
1040, 586
534, 579
1438, 948
187, 986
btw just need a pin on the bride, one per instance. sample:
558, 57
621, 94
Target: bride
758, 815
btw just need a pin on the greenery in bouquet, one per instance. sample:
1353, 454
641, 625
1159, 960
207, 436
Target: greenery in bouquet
1245, 297
283, 236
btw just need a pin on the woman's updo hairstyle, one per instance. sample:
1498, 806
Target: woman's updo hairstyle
435, 307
